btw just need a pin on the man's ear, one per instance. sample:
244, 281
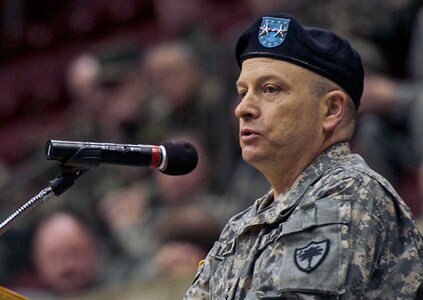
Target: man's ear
335, 103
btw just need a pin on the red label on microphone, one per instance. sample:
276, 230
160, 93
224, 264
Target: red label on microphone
155, 157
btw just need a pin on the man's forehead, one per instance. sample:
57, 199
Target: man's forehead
263, 67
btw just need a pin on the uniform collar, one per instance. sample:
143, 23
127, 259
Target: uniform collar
267, 210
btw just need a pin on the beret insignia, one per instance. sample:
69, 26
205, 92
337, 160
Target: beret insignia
273, 31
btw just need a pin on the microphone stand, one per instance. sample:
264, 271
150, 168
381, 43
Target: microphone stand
56, 187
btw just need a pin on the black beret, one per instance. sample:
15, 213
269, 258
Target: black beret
282, 37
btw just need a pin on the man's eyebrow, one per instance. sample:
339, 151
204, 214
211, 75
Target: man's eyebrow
266, 77
239, 83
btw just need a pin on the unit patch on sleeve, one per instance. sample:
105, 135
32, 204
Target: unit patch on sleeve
311, 256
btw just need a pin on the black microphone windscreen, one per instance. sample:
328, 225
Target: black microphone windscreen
182, 158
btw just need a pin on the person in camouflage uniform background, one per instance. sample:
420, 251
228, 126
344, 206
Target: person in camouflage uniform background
330, 227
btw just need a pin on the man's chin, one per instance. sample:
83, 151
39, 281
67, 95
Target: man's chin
249, 156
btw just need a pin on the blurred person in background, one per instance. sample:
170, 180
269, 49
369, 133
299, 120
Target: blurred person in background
129, 229
106, 90
185, 235
182, 95
82, 80
189, 21
65, 255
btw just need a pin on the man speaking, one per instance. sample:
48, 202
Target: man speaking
330, 227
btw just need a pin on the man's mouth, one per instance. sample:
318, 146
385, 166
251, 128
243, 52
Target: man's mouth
248, 134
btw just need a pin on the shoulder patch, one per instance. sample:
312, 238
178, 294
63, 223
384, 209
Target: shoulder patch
308, 258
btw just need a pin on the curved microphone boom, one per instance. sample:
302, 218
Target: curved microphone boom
171, 158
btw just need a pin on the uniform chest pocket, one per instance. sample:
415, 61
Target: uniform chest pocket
314, 246
221, 262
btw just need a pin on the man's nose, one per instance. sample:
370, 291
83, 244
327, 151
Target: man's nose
247, 108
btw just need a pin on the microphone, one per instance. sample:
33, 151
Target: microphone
171, 158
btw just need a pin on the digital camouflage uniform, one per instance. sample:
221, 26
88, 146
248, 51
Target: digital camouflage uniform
339, 232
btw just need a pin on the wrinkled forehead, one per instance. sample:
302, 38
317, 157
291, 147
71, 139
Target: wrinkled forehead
263, 68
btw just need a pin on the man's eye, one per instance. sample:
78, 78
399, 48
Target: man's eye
241, 94
270, 89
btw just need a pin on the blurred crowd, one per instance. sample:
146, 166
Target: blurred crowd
135, 233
